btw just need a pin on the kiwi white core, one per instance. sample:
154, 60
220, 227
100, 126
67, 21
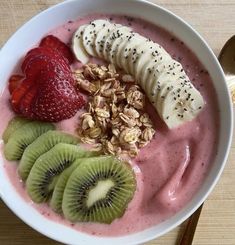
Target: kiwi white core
99, 191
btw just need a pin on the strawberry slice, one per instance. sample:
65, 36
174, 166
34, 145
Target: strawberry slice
25, 104
46, 56
56, 100
18, 94
14, 82
55, 43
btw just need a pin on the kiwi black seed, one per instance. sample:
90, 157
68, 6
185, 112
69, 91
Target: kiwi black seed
57, 195
24, 136
14, 124
41, 145
98, 190
45, 171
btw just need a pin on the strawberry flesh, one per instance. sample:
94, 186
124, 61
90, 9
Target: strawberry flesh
57, 99
14, 82
19, 93
55, 43
27, 100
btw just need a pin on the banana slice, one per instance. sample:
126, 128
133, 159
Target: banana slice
128, 50
150, 74
90, 34
121, 47
149, 51
117, 42
116, 33
101, 38
77, 45
180, 105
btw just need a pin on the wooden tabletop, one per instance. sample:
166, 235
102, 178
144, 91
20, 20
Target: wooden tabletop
214, 20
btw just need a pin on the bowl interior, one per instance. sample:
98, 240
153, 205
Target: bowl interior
32, 32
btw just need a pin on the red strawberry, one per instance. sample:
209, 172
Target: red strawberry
19, 93
14, 82
48, 92
55, 43
27, 101
56, 100
37, 58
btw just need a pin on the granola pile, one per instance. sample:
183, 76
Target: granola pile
115, 119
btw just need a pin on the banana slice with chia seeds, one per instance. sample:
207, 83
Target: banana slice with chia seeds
113, 35
90, 34
152, 83
117, 43
77, 45
149, 51
119, 58
180, 105
100, 38
128, 50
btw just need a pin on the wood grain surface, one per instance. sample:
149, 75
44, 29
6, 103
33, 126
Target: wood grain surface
214, 20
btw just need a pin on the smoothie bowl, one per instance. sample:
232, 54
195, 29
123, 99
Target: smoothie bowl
115, 125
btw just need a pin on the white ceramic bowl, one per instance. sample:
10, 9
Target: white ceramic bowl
37, 27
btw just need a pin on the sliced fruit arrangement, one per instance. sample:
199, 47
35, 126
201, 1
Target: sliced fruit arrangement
78, 183
47, 90
40, 146
45, 170
162, 78
24, 136
98, 190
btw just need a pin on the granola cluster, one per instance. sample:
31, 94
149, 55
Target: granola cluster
115, 119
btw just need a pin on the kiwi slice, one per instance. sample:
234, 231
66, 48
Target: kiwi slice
41, 145
13, 125
98, 190
45, 171
57, 195
24, 136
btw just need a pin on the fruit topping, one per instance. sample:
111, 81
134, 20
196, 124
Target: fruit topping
57, 99
40, 146
24, 136
19, 93
148, 62
14, 82
56, 44
42, 177
48, 92
98, 190
77, 182
14, 124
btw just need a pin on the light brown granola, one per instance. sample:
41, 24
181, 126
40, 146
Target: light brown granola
116, 121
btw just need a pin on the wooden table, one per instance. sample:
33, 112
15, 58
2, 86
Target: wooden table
214, 20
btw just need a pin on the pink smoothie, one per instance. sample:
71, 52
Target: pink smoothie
172, 167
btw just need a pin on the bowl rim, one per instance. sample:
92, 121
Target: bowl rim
216, 178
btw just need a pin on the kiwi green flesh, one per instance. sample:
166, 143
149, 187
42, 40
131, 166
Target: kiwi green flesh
57, 195
14, 124
41, 145
98, 190
51, 165
24, 136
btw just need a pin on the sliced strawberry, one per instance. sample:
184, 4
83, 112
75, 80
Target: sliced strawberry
56, 100
14, 82
55, 43
18, 94
25, 104
47, 56
48, 92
